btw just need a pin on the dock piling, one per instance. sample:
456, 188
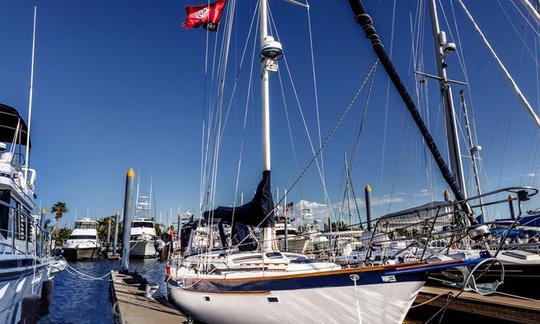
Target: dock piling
511, 206
116, 216
108, 235
126, 228
368, 206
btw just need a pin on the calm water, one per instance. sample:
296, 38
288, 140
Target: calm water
76, 300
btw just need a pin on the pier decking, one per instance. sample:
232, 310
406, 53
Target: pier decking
494, 306
130, 304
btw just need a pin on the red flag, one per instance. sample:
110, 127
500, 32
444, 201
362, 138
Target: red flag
207, 16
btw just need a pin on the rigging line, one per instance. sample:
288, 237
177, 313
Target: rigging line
223, 75
525, 17
420, 92
459, 57
362, 120
508, 121
285, 107
355, 199
239, 70
387, 103
246, 110
325, 142
463, 65
532, 11
508, 76
325, 191
206, 48
211, 136
201, 183
213, 76
315, 88
519, 35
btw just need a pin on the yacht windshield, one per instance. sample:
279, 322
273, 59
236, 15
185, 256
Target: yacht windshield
143, 224
82, 237
86, 226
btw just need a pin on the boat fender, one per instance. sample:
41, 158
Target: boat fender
29, 309
46, 297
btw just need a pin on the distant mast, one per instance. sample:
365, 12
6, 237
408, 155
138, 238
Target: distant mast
27, 156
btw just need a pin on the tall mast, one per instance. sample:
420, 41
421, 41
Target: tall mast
473, 149
364, 20
442, 49
27, 156
270, 51
265, 91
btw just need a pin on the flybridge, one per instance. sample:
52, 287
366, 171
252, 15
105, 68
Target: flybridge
13, 128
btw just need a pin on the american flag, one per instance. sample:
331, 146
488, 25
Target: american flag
289, 206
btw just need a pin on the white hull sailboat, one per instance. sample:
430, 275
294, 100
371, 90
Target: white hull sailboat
248, 280
329, 296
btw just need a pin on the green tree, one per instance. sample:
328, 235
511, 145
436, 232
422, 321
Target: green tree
61, 234
103, 224
59, 209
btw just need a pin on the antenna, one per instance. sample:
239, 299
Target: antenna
27, 156
150, 199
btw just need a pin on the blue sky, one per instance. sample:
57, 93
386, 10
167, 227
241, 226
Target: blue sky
120, 84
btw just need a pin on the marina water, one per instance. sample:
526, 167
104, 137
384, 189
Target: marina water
77, 299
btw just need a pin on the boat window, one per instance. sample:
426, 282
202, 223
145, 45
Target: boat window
207, 298
20, 224
4, 212
273, 300
274, 255
82, 237
143, 224
289, 231
86, 226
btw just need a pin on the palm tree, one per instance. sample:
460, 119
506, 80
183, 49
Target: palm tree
47, 225
103, 225
59, 209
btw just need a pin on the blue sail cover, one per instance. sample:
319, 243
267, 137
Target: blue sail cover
258, 212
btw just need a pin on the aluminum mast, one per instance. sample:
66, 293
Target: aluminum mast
365, 21
270, 51
442, 49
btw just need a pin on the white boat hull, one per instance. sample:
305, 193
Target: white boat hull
377, 303
17, 285
142, 249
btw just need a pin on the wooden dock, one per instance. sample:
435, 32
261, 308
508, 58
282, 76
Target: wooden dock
130, 304
494, 306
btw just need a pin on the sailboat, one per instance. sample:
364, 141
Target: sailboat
521, 267
249, 280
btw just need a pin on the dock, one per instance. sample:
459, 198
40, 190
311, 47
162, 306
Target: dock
130, 305
494, 306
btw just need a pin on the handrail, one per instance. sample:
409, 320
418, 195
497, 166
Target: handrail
39, 237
